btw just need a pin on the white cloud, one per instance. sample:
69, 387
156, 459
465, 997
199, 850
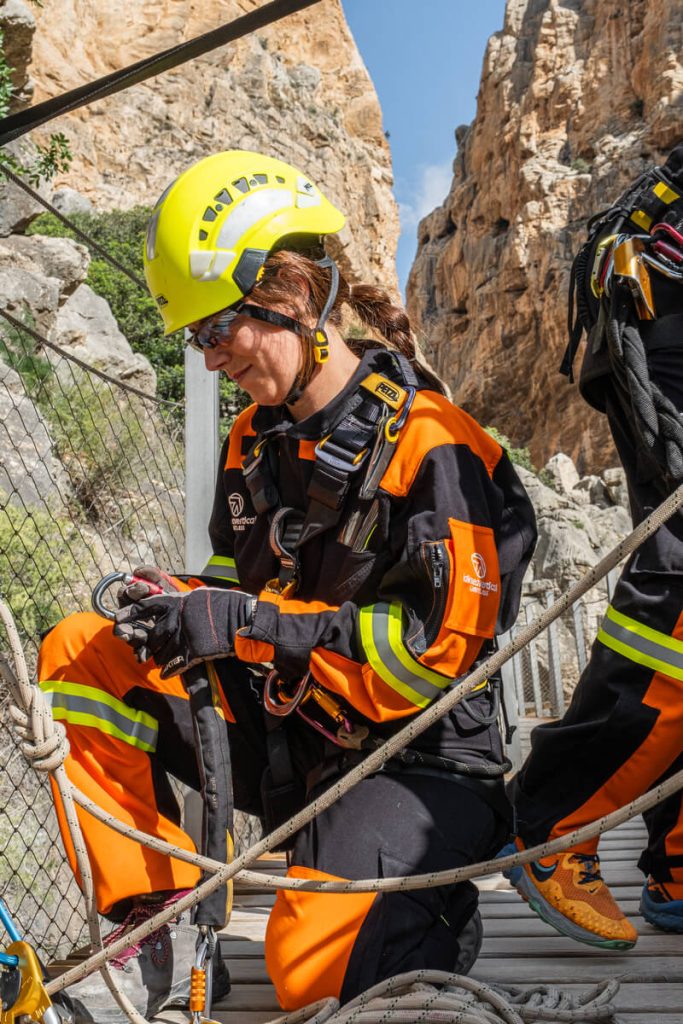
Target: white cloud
432, 189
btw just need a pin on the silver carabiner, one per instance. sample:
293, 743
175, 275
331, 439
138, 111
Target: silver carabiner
101, 589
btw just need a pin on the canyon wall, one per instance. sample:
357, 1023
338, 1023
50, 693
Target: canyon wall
577, 97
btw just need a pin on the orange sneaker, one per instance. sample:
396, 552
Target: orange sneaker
567, 891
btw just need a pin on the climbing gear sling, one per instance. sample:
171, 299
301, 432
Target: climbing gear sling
626, 293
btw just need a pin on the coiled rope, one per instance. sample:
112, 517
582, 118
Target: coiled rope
44, 743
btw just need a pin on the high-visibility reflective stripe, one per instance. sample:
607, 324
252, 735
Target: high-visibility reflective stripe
381, 630
87, 705
222, 568
642, 644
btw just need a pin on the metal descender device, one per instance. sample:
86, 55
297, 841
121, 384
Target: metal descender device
22, 980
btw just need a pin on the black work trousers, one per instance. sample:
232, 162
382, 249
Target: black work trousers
623, 731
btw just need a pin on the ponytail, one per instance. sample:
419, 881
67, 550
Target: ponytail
374, 308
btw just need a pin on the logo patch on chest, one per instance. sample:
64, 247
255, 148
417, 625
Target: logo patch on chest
236, 505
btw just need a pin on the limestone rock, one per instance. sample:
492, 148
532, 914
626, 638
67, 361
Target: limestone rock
615, 482
60, 259
18, 25
29, 473
563, 473
576, 99
86, 327
297, 89
573, 536
17, 208
68, 201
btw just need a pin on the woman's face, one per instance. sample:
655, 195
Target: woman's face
263, 359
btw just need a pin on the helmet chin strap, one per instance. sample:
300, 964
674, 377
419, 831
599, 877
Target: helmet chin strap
315, 345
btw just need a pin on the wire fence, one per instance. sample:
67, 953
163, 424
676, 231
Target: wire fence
545, 674
91, 480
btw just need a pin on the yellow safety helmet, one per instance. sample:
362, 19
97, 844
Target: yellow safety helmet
213, 228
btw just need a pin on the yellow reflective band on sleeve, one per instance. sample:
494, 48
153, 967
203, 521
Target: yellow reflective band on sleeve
642, 644
221, 567
381, 632
87, 705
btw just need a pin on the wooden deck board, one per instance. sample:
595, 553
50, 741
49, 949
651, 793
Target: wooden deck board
519, 949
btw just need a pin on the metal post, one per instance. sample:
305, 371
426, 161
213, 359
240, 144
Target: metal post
512, 707
577, 608
201, 457
611, 581
554, 666
533, 662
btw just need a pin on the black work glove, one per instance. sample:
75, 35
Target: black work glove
149, 580
181, 630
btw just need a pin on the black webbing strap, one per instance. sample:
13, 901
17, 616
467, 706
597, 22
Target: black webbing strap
18, 124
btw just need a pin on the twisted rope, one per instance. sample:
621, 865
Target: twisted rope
414, 998
658, 421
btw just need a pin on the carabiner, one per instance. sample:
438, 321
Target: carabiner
101, 589
275, 704
201, 976
126, 578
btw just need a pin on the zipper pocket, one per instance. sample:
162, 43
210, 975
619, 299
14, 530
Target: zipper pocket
438, 568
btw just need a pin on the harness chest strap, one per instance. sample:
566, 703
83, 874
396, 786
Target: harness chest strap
365, 438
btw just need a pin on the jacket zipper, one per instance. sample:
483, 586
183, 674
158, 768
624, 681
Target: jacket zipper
438, 569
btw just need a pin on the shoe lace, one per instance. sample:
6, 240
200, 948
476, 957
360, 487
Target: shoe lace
590, 867
159, 939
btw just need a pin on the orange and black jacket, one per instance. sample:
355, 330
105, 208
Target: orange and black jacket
433, 570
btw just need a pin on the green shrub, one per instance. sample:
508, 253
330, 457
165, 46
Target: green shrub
519, 456
42, 553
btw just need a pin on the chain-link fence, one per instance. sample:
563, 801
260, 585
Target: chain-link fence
91, 480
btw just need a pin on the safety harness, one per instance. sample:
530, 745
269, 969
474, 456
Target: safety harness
364, 440
359, 447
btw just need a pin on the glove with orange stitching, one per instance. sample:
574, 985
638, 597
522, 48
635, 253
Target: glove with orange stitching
183, 629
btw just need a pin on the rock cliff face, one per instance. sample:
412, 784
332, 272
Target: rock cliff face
577, 97
297, 89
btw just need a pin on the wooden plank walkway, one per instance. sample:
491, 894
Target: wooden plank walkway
519, 949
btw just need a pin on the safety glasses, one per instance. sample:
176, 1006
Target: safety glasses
216, 330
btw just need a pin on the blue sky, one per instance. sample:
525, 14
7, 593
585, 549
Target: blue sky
425, 60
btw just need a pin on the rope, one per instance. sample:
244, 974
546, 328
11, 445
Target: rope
19, 326
658, 421
37, 714
90, 242
413, 998
18, 124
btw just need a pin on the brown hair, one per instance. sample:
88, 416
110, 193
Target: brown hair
280, 286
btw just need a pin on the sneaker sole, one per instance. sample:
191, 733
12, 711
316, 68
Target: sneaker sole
666, 922
530, 894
